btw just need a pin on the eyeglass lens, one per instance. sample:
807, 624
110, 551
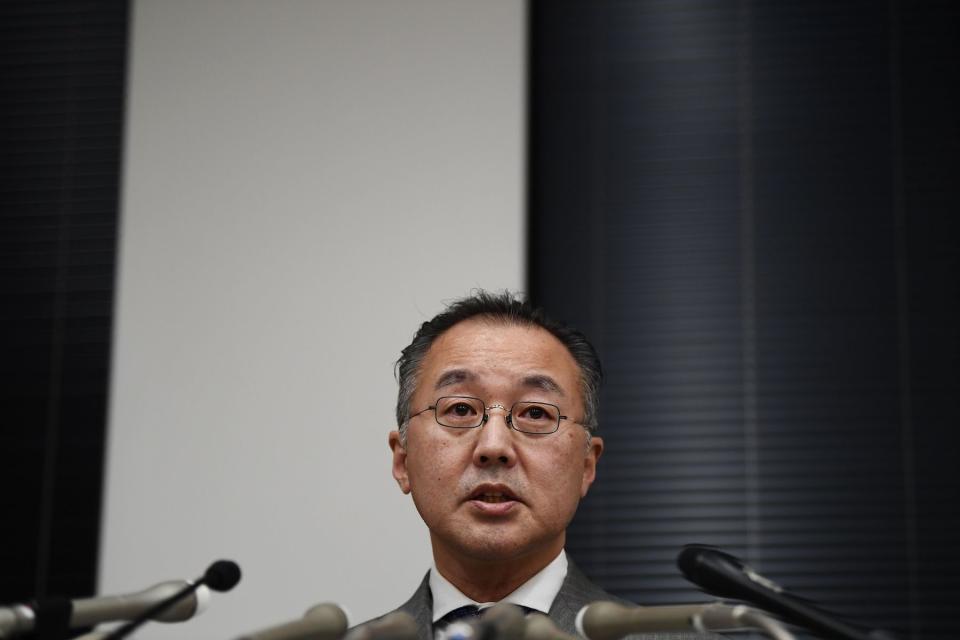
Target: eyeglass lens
463, 412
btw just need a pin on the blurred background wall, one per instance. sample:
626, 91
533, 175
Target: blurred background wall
303, 183
749, 206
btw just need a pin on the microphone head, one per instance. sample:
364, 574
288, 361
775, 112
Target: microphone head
715, 571
222, 575
540, 627
398, 625
592, 620
330, 614
506, 621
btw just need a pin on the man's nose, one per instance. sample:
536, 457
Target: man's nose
495, 444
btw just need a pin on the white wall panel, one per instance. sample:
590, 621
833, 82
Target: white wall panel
305, 182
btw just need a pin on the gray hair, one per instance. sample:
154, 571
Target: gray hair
509, 309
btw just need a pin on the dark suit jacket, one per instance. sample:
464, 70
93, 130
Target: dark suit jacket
576, 592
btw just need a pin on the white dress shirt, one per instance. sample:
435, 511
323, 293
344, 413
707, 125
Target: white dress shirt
536, 593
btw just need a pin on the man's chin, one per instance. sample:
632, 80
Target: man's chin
498, 546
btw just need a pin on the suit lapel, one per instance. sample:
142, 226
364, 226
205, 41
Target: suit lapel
576, 592
420, 606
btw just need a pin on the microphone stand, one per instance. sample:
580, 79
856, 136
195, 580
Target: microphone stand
128, 628
222, 575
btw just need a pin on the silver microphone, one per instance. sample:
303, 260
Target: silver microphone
540, 627
88, 612
398, 625
610, 621
325, 621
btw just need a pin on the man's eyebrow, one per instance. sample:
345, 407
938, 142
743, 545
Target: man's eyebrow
542, 382
452, 377
534, 381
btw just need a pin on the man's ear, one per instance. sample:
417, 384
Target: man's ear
399, 461
594, 449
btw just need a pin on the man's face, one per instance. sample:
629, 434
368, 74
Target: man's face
493, 493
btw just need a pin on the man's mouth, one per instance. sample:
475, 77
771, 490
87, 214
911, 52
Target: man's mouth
493, 495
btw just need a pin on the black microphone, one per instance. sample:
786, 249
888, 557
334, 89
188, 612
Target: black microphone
724, 575
222, 575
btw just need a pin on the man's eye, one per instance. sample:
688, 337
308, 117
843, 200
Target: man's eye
536, 412
462, 409
458, 408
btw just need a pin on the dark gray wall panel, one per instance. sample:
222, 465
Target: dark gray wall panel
750, 207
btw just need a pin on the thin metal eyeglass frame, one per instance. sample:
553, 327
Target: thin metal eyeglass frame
485, 416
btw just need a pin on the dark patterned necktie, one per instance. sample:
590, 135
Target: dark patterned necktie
466, 613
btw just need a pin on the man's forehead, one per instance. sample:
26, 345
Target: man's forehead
538, 381
484, 349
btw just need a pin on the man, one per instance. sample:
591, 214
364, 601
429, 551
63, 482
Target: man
496, 413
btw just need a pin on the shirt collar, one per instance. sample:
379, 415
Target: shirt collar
536, 593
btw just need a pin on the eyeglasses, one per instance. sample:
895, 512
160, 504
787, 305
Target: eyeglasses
465, 412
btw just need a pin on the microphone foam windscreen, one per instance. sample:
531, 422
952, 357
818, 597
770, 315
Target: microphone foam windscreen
222, 575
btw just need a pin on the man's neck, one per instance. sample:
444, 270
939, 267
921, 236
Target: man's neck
484, 580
